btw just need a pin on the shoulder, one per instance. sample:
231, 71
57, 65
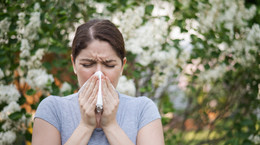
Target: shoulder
140, 99
54, 104
145, 109
52, 107
55, 100
140, 103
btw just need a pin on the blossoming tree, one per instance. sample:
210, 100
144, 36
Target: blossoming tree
198, 60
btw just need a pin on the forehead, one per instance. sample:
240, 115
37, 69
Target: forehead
98, 50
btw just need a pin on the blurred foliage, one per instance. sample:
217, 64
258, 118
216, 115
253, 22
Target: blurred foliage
233, 119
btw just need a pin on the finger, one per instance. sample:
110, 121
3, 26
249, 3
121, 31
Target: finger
85, 85
88, 91
91, 102
108, 98
82, 90
94, 93
111, 88
105, 90
91, 107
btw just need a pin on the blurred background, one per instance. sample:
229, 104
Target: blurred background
198, 60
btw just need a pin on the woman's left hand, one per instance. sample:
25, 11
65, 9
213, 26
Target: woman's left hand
110, 103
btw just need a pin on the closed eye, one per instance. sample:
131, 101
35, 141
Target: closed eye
87, 65
110, 66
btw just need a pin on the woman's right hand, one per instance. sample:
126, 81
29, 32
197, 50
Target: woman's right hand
87, 103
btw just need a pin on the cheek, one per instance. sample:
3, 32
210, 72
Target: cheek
113, 77
83, 75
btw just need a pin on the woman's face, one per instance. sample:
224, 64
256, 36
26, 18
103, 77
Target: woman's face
98, 56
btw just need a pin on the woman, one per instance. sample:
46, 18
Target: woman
72, 120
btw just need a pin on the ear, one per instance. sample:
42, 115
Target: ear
124, 62
73, 64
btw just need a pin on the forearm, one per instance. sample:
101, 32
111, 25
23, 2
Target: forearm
80, 136
116, 135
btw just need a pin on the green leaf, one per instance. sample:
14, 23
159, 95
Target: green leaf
123, 2
21, 100
16, 116
206, 66
30, 92
149, 9
28, 135
142, 90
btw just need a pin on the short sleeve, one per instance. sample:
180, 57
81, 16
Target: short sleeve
49, 111
148, 112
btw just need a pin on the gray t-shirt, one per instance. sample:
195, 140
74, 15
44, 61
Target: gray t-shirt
64, 114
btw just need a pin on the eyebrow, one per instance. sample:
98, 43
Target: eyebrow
92, 60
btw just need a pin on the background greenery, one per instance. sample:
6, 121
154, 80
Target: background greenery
219, 109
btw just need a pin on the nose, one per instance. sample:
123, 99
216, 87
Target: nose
99, 67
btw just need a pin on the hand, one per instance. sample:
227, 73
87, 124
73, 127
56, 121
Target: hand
110, 103
87, 102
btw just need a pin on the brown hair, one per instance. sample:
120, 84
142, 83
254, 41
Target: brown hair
97, 29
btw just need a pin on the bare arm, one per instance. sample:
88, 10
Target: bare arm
45, 133
151, 134
116, 135
83, 132
80, 136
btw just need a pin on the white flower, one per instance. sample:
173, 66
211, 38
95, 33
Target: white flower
255, 138
20, 23
163, 8
213, 73
38, 78
8, 94
39, 53
129, 20
147, 40
7, 137
7, 125
126, 86
34, 61
36, 6
11, 108
4, 26
254, 34
30, 30
65, 87
25, 53
21, 15
1, 73
25, 45
23, 63
230, 13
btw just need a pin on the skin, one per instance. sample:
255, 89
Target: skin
98, 56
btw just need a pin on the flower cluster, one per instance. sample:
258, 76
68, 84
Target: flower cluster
230, 13
29, 71
226, 16
7, 137
8, 94
38, 79
129, 20
4, 28
126, 86
65, 87
146, 40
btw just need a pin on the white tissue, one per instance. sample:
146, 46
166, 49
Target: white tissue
99, 105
